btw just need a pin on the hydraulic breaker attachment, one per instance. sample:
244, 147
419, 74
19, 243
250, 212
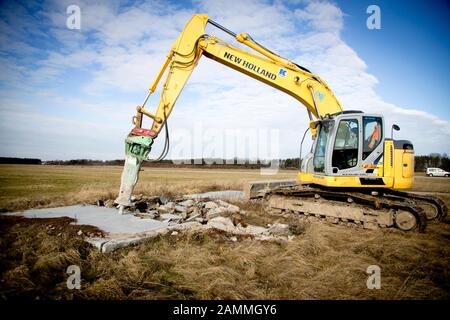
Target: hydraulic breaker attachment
137, 147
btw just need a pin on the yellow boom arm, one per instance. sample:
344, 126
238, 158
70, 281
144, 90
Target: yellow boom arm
269, 68
184, 55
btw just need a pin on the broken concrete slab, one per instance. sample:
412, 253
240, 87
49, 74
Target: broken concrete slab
222, 223
169, 206
152, 207
167, 217
232, 208
180, 208
193, 217
226, 194
152, 219
211, 205
116, 241
107, 245
187, 203
215, 212
256, 189
279, 229
106, 219
257, 233
255, 230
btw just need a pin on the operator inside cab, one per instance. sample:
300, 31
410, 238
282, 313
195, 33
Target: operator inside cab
372, 135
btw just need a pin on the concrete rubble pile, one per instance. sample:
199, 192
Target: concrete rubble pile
178, 211
187, 214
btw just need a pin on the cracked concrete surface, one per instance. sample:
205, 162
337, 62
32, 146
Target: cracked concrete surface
148, 217
106, 219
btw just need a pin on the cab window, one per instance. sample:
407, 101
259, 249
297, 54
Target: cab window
319, 153
345, 151
373, 134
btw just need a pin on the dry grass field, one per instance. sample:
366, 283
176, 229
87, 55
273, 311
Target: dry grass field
324, 261
23, 187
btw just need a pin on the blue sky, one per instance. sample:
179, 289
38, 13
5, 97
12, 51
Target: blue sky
410, 55
71, 93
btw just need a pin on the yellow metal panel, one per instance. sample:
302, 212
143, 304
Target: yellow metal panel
401, 181
388, 159
408, 165
273, 73
340, 181
185, 58
305, 177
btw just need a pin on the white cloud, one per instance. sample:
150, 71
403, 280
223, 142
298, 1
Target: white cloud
322, 16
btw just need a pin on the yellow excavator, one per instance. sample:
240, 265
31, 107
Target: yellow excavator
353, 174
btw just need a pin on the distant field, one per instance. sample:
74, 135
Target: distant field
435, 184
24, 186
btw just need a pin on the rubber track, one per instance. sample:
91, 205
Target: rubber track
442, 208
375, 202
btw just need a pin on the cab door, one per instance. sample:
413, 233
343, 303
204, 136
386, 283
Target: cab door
345, 147
372, 144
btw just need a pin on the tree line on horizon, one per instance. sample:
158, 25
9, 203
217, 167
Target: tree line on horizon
421, 163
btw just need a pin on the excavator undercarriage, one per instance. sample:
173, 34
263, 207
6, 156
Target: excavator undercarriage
382, 208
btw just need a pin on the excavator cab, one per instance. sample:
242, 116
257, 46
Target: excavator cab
349, 151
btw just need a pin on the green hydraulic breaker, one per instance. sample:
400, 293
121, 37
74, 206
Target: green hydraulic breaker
137, 147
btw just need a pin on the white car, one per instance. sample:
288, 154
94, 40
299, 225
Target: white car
437, 172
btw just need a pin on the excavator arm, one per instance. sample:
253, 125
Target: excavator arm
192, 43
270, 68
